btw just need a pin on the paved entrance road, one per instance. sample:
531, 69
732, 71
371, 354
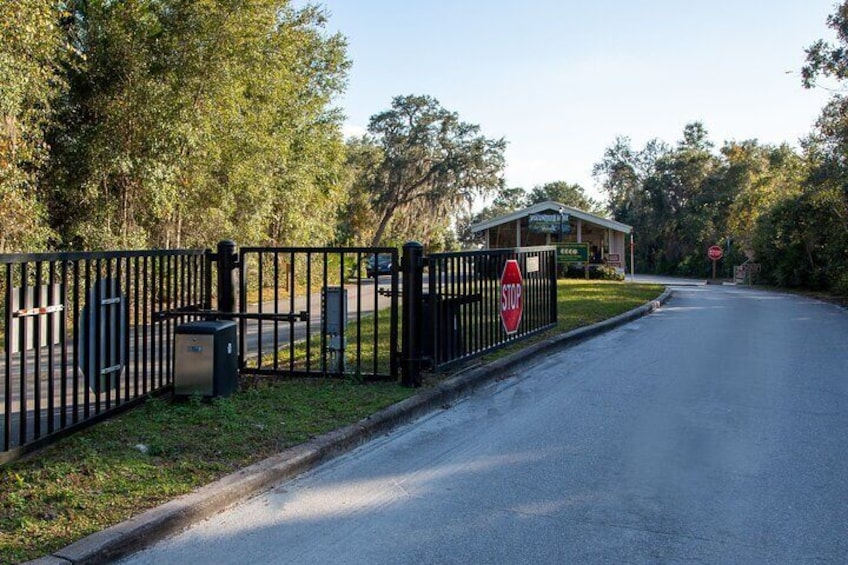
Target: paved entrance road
715, 430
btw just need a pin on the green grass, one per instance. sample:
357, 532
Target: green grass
161, 450
582, 303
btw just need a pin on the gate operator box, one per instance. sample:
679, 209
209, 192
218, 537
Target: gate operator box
205, 358
335, 310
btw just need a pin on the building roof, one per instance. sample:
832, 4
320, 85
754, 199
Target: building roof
551, 206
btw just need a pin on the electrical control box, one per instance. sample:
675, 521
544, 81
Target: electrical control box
205, 358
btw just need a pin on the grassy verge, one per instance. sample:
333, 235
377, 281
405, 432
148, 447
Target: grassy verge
161, 450
582, 303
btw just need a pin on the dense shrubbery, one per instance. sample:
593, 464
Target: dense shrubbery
596, 272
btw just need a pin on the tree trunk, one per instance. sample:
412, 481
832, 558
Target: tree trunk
384, 222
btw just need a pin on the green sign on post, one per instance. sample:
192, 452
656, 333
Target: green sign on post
573, 253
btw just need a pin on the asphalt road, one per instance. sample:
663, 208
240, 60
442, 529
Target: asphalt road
715, 430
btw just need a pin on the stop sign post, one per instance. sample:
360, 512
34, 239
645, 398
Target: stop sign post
715, 253
512, 296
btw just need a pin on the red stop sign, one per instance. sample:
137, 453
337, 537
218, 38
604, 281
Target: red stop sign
512, 296
715, 253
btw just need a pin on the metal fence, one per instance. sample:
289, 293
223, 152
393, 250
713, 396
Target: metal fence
82, 337
323, 311
463, 301
87, 334
455, 305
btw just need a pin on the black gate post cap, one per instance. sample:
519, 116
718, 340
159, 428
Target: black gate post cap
413, 244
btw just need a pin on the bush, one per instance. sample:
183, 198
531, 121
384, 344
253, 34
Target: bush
596, 272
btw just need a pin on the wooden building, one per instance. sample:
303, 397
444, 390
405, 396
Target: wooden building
540, 225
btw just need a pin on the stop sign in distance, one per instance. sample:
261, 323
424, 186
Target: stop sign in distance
512, 296
715, 253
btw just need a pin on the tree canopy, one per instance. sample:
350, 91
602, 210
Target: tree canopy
176, 123
191, 121
565, 193
32, 51
429, 163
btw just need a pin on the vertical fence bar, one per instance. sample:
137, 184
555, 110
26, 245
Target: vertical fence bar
7, 370
146, 339
223, 301
260, 325
393, 314
22, 352
170, 279
206, 270
51, 353
554, 283
158, 330
341, 365
292, 288
76, 341
308, 308
94, 344
36, 349
375, 322
136, 325
324, 283
63, 344
107, 339
277, 311
359, 308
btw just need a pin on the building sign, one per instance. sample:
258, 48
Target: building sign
548, 223
573, 253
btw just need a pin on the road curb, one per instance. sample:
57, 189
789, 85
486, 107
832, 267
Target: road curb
148, 527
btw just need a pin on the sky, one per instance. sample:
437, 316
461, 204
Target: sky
560, 80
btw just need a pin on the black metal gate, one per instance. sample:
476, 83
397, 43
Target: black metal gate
86, 334
462, 301
82, 337
453, 312
319, 311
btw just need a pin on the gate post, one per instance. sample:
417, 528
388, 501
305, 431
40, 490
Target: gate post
226, 278
412, 268
553, 280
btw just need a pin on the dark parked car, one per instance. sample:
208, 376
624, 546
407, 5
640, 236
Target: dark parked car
383, 265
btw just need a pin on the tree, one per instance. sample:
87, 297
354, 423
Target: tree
31, 51
192, 121
755, 178
569, 194
506, 200
431, 163
803, 239
824, 59
681, 200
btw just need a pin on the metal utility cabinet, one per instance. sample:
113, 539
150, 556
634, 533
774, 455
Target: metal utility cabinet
205, 358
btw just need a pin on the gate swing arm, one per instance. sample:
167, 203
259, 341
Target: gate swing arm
302, 316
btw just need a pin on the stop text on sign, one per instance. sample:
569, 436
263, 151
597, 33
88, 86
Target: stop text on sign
512, 296
715, 253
